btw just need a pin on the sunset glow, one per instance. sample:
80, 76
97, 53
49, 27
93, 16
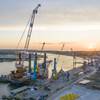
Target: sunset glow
74, 22
92, 46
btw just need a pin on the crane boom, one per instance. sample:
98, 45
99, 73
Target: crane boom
43, 46
21, 58
31, 27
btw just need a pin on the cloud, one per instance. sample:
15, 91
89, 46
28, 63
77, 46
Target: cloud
57, 20
52, 17
51, 12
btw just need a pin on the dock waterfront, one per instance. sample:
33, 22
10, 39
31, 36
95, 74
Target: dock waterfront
47, 88
55, 87
74, 80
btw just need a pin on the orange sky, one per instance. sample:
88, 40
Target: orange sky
77, 23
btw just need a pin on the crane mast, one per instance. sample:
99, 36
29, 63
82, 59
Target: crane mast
43, 46
21, 58
31, 27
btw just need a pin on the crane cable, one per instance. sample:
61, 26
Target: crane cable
23, 33
21, 39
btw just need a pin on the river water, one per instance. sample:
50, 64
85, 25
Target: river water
65, 62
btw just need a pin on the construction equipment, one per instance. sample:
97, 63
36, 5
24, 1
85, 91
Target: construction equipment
54, 71
40, 70
43, 46
35, 68
21, 64
70, 96
22, 54
44, 68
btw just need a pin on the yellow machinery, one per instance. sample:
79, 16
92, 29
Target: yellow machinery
54, 71
70, 96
